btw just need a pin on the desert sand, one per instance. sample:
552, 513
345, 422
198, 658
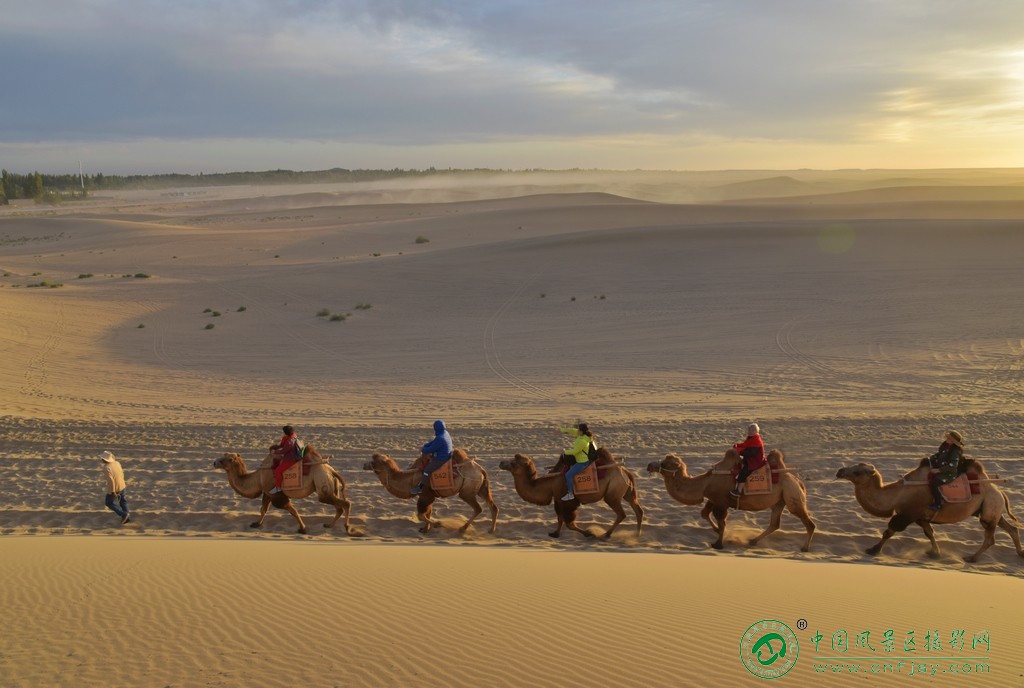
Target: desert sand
856, 316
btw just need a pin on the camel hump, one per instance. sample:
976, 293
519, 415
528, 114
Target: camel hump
460, 456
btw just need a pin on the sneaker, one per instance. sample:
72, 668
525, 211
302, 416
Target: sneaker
735, 493
126, 519
416, 489
568, 497
275, 490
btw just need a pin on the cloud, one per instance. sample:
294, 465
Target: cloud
402, 73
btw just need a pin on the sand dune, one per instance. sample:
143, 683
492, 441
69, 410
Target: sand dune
858, 328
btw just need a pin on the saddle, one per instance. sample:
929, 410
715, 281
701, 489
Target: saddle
959, 489
585, 482
444, 477
759, 481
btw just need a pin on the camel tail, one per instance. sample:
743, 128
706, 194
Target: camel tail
633, 490
1006, 503
339, 481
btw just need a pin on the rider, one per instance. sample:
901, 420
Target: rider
946, 460
752, 453
440, 449
579, 453
286, 453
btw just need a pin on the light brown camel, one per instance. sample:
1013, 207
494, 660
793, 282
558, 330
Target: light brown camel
322, 479
716, 484
470, 482
904, 504
615, 483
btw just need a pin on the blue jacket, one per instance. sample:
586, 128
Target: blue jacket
441, 446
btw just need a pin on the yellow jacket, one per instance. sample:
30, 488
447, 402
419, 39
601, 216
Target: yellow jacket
581, 447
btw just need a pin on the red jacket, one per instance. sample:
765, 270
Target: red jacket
752, 451
288, 447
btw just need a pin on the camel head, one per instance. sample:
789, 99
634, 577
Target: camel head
670, 465
775, 457
230, 463
380, 463
520, 464
858, 474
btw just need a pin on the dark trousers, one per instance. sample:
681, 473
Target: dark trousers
120, 506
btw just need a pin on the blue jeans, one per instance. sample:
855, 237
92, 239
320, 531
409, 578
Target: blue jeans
573, 470
120, 507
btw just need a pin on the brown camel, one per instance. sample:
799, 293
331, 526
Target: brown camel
904, 504
716, 484
615, 483
470, 482
322, 479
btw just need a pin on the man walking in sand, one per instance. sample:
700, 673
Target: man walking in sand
114, 474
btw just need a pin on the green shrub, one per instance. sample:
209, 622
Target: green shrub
141, 275
209, 326
363, 306
323, 313
240, 309
422, 239
84, 275
337, 317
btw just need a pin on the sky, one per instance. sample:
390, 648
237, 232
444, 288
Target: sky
190, 86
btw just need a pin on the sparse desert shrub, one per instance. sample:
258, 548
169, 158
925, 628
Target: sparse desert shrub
84, 275
47, 284
542, 295
337, 317
140, 326
215, 314
323, 313
209, 326
363, 306
573, 298
422, 239
240, 309
207, 310
36, 274
141, 275
375, 255
602, 297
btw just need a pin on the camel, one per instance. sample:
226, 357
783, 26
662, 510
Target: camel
904, 504
322, 479
716, 484
470, 482
615, 483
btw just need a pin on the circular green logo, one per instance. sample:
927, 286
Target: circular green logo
769, 649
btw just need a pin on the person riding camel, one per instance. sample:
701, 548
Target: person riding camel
579, 454
946, 460
752, 456
286, 453
440, 448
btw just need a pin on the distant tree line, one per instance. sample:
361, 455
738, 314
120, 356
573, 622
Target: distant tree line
37, 186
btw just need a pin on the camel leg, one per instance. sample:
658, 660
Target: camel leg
705, 513
1013, 532
485, 494
424, 508
561, 519
897, 524
263, 512
720, 515
634, 501
570, 523
290, 508
342, 507
620, 514
773, 523
477, 509
929, 532
799, 509
988, 541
